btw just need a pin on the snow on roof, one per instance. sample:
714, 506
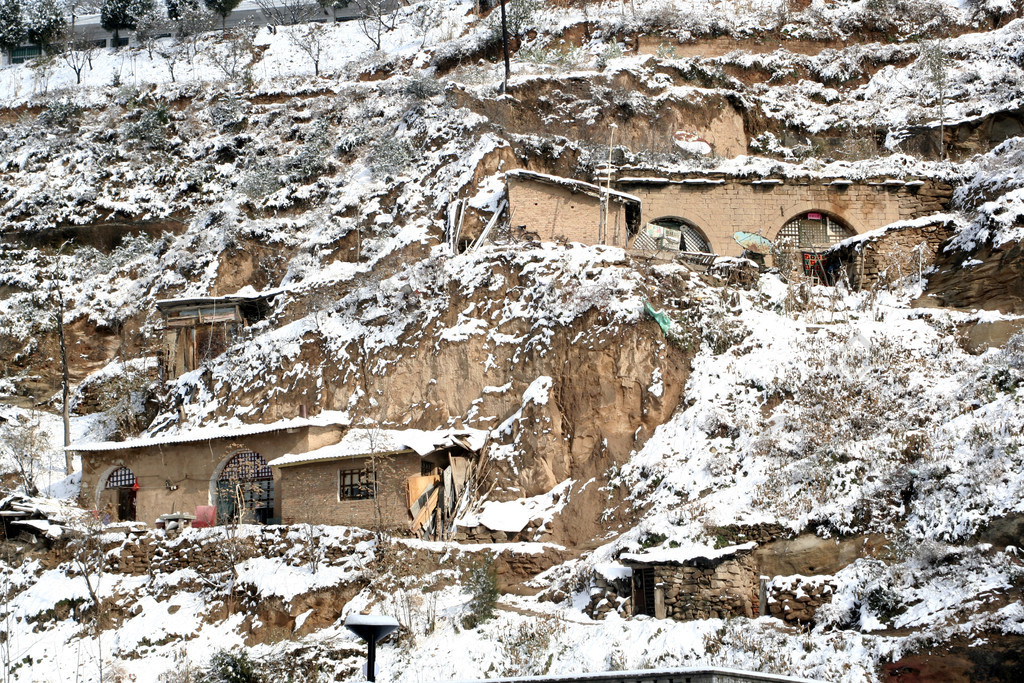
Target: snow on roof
325, 419
357, 442
573, 185
244, 295
680, 556
923, 221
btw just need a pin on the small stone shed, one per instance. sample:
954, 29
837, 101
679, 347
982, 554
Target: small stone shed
894, 251
141, 479
203, 327
695, 583
552, 208
404, 479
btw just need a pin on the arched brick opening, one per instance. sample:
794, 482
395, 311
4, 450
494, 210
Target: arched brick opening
116, 494
813, 230
242, 474
673, 233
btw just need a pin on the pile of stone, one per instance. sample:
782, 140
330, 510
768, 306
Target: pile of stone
607, 596
796, 599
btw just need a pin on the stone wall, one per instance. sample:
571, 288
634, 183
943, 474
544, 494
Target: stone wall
893, 254
552, 213
608, 596
796, 599
720, 205
729, 589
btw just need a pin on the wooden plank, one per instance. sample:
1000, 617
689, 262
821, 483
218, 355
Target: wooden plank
416, 486
426, 511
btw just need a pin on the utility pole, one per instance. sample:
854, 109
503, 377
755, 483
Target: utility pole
58, 319
504, 45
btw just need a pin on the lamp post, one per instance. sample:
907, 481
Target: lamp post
504, 47
372, 629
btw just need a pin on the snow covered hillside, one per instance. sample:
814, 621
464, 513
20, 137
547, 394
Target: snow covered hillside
861, 449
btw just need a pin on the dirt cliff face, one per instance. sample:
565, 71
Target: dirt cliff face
992, 283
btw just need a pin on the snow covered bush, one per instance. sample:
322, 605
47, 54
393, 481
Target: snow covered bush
150, 128
231, 667
60, 113
389, 157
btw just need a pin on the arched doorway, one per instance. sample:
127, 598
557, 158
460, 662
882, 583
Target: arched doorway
245, 489
124, 486
678, 234
802, 240
813, 231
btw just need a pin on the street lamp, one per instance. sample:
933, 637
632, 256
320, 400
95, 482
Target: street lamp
372, 629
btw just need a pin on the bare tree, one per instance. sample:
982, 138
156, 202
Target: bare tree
235, 59
377, 17
936, 62
190, 23
172, 52
27, 441
77, 51
89, 558
311, 39
57, 297
151, 24
289, 12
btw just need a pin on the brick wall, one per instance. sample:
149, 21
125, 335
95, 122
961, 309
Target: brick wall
310, 493
177, 477
721, 206
551, 213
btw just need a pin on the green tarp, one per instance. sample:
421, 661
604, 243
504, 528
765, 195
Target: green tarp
664, 322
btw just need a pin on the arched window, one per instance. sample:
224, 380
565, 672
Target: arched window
677, 234
245, 489
124, 487
813, 231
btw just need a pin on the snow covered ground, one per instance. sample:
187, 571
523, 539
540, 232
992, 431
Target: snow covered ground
845, 412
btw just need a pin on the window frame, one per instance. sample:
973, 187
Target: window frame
356, 484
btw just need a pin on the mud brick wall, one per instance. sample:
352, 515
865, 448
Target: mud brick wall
554, 213
796, 599
310, 493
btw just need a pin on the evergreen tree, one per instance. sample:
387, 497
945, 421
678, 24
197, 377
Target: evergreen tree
12, 30
222, 8
117, 15
44, 23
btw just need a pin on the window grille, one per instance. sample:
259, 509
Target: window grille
356, 485
804, 232
691, 239
247, 466
122, 477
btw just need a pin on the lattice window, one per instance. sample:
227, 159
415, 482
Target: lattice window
247, 466
813, 231
694, 240
356, 485
120, 478
691, 239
